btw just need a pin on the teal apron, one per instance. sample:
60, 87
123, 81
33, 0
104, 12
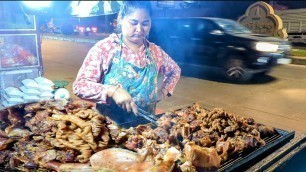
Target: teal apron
140, 82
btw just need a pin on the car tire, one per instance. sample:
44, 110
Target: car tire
235, 69
264, 73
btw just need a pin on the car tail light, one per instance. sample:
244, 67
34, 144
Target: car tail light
82, 29
94, 29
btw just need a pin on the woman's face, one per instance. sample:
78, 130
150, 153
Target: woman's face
136, 26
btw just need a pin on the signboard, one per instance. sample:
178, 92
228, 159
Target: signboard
18, 51
260, 18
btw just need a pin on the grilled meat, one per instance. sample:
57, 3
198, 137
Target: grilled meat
202, 157
56, 136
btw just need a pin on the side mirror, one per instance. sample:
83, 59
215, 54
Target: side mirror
216, 32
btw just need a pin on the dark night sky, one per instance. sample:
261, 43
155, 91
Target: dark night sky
293, 4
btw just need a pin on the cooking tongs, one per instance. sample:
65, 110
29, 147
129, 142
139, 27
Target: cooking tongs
148, 116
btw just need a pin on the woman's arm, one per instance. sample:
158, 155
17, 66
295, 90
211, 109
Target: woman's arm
88, 81
168, 67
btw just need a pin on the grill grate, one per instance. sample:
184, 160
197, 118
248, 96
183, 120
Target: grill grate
245, 160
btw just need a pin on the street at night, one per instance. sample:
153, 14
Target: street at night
189, 86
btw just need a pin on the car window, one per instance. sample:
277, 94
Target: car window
184, 28
230, 26
193, 28
204, 27
161, 27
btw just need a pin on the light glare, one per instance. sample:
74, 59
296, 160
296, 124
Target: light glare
266, 47
37, 4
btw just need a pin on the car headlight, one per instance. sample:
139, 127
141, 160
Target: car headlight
266, 47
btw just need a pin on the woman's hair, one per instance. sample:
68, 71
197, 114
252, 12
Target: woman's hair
129, 7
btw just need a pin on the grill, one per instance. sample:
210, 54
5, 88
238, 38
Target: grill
290, 157
245, 160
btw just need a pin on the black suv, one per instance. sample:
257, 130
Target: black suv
219, 43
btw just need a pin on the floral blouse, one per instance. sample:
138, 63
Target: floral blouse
96, 64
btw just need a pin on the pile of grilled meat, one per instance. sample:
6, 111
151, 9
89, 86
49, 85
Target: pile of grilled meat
52, 136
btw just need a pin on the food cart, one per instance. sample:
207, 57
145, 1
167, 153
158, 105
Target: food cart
20, 50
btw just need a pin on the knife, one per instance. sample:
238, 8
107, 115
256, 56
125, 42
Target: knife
148, 116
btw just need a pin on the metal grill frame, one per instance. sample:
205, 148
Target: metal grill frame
245, 160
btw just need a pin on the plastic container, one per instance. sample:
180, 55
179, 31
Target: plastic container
45, 88
29, 92
31, 99
13, 92
44, 81
13, 78
30, 84
13, 100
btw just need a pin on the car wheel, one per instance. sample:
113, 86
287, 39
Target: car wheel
235, 69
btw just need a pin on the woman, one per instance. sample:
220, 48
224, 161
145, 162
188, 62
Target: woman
120, 72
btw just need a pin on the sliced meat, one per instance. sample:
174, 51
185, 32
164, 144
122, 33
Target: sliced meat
4, 154
41, 123
4, 142
266, 130
33, 107
162, 134
17, 132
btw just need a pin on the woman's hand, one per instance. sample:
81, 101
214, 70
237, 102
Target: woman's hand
123, 99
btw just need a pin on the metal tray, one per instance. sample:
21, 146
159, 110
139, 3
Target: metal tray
292, 156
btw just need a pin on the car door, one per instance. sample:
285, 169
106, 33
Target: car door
178, 36
205, 43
